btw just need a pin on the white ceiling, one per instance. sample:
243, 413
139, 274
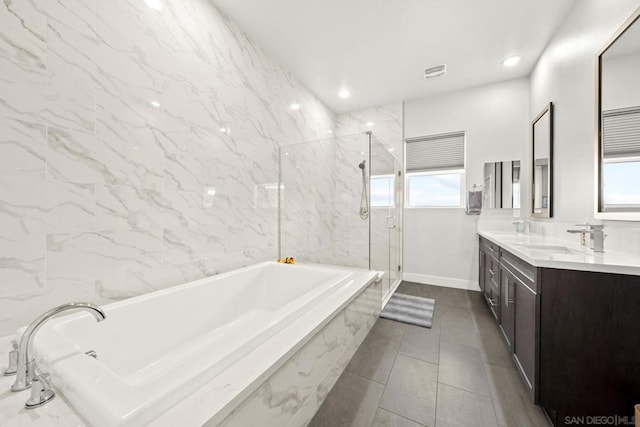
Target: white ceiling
379, 48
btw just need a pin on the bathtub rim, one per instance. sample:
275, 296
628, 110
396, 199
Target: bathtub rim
191, 407
315, 320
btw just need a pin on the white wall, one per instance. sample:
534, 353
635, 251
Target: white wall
440, 245
617, 72
565, 74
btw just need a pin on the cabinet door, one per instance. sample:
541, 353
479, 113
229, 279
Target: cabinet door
524, 340
507, 284
492, 285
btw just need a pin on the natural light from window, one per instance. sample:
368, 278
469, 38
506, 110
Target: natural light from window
382, 191
620, 180
438, 190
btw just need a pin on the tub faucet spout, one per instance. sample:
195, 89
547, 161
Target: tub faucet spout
26, 370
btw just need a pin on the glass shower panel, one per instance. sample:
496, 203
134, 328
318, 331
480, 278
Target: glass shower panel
306, 201
321, 188
383, 213
351, 231
394, 228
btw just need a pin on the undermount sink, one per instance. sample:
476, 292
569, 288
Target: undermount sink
548, 248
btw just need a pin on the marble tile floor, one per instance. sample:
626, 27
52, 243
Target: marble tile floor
456, 374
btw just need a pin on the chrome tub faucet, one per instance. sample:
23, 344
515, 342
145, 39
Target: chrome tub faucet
26, 370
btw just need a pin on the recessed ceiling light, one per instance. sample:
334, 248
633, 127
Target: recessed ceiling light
392, 149
510, 62
155, 104
344, 93
223, 130
154, 4
370, 124
329, 131
436, 71
295, 106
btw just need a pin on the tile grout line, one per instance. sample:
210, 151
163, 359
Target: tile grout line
401, 416
368, 379
395, 357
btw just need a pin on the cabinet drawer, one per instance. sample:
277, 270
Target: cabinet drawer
492, 295
492, 271
520, 269
491, 248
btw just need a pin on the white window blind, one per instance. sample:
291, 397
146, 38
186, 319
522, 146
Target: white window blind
436, 152
621, 133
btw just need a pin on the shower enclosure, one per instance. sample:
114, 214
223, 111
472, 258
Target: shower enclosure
323, 216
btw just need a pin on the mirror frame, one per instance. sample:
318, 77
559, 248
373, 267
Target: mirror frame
547, 109
620, 216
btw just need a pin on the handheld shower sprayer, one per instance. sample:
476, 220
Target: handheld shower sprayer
364, 201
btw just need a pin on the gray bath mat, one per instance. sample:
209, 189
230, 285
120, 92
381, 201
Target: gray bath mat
410, 309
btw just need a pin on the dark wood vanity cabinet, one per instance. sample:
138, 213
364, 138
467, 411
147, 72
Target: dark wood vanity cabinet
574, 336
510, 291
490, 276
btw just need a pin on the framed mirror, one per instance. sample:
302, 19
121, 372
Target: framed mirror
502, 185
618, 121
542, 164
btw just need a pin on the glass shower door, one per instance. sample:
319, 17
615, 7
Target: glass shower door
384, 219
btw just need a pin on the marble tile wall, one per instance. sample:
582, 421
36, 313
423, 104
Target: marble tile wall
138, 149
307, 192
292, 395
385, 121
321, 186
351, 233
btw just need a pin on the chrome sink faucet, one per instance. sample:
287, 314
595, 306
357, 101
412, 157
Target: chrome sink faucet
596, 235
26, 370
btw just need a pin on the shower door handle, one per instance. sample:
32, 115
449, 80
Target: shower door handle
391, 222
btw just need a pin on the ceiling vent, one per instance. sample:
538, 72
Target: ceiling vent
436, 71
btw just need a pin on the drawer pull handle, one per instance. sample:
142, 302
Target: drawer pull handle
507, 298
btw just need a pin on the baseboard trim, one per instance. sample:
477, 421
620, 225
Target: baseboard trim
470, 285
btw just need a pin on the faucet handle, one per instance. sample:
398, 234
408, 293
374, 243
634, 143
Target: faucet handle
12, 369
41, 392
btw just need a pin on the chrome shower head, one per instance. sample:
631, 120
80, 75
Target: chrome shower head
362, 164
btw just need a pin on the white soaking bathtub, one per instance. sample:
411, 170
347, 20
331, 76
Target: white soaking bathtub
156, 349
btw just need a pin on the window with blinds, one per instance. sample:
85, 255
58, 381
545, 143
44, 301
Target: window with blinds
437, 152
621, 133
621, 160
435, 171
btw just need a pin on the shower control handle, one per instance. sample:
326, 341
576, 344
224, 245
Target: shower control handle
391, 222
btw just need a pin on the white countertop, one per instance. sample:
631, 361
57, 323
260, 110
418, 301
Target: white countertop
574, 257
